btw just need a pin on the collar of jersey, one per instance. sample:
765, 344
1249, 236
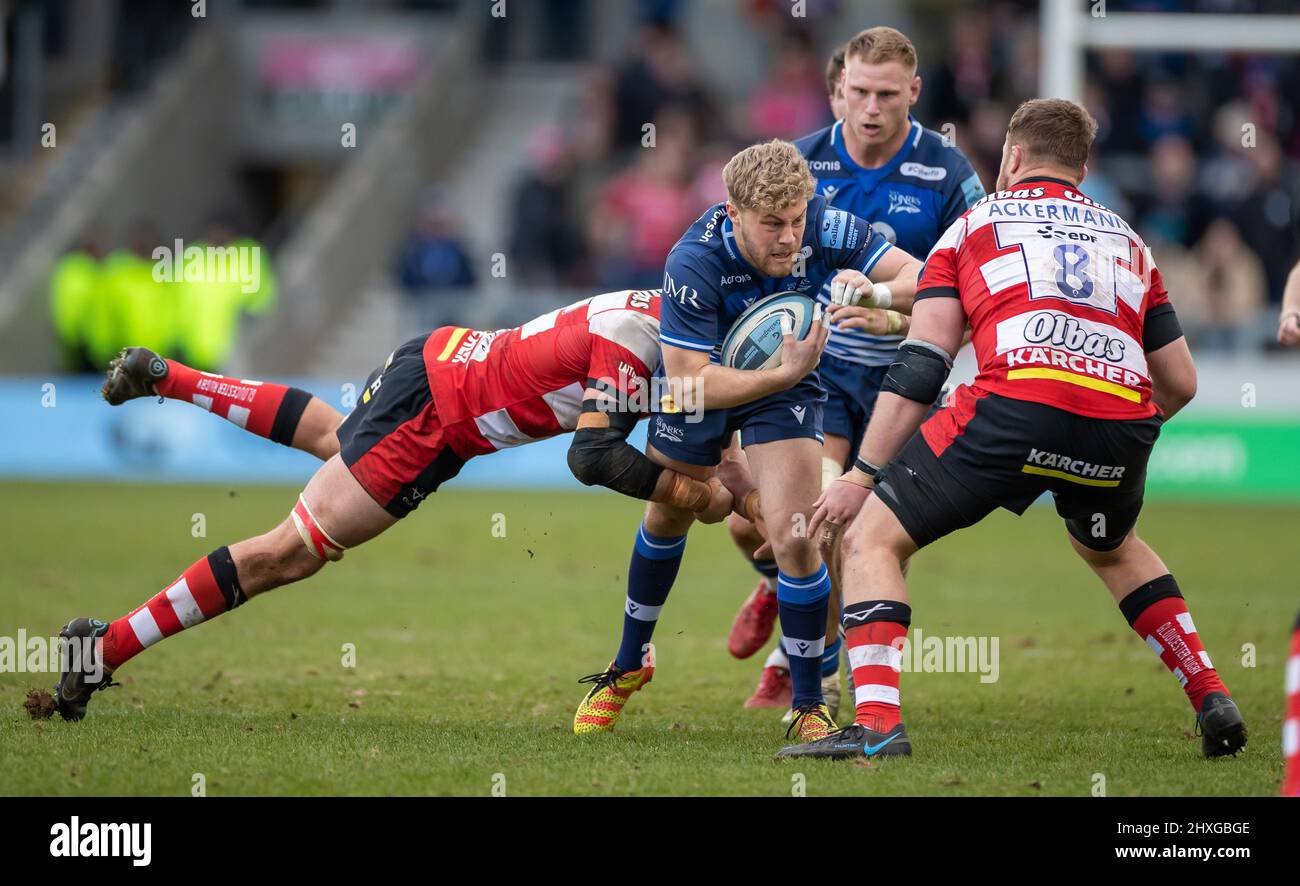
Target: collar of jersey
1044, 178
728, 240
872, 177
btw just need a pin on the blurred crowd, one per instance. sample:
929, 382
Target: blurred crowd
188, 305
1199, 152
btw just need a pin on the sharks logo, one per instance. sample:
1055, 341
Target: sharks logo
899, 202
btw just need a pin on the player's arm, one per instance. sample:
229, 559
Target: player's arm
688, 332
913, 382
859, 301
1173, 376
601, 456
877, 275
896, 271
1169, 361
1288, 322
873, 321
911, 386
702, 385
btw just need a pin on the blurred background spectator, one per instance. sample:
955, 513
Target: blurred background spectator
1200, 151
432, 261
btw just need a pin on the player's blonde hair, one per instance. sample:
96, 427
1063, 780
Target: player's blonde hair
876, 46
1053, 130
768, 177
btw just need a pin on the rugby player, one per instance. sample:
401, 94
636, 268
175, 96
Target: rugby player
1081, 359
879, 163
1288, 335
773, 234
439, 400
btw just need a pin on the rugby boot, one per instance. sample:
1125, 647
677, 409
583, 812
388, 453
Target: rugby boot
754, 622
602, 706
774, 689
1220, 726
131, 374
850, 742
82, 672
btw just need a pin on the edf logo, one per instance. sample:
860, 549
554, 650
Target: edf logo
683, 293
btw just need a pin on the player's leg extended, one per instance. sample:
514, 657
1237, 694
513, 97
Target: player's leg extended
332, 513
833, 554
656, 557
1154, 607
788, 475
286, 415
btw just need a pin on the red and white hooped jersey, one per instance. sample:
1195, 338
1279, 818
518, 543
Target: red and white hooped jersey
1057, 289
496, 390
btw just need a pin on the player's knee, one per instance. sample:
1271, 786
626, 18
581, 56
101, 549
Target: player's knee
791, 544
860, 542
854, 541
1100, 552
313, 537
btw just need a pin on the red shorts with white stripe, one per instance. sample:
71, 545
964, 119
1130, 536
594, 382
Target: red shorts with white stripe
393, 442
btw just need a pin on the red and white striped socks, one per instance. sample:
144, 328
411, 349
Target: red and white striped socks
1158, 614
874, 632
264, 408
1291, 721
205, 590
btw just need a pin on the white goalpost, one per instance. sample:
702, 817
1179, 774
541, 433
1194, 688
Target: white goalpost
1071, 27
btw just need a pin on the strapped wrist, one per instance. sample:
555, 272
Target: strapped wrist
868, 469
748, 506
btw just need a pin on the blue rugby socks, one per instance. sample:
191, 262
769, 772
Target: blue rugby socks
650, 577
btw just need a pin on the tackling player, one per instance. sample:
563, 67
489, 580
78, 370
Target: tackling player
879, 163
1081, 359
771, 235
438, 401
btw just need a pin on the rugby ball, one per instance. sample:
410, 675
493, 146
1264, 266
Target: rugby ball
754, 340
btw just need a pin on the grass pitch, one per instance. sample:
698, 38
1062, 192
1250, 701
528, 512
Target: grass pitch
468, 647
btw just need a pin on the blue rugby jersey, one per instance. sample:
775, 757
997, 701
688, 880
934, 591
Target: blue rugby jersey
707, 284
910, 201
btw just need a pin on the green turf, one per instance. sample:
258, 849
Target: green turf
468, 648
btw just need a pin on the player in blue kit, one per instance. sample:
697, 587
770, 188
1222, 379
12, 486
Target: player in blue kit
878, 163
771, 235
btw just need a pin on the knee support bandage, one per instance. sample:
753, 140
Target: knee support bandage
313, 536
